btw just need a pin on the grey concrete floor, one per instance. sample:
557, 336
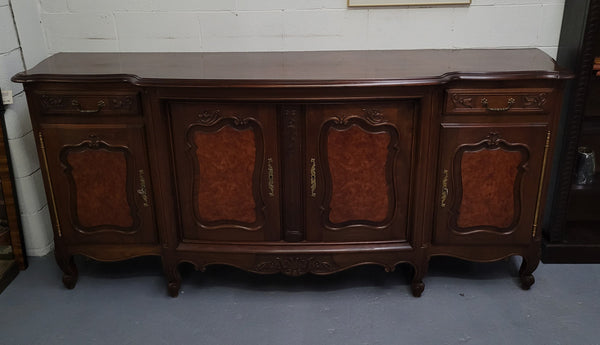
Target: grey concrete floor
463, 303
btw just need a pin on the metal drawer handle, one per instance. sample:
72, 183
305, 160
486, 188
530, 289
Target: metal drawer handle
511, 101
76, 103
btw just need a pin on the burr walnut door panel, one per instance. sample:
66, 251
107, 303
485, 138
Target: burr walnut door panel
488, 183
358, 170
227, 170
99, 183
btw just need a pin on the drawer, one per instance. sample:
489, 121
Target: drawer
89, 104
498, 101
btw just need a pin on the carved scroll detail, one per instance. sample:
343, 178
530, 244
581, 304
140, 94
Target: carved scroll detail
373, 116
209, 118
51, 101
341, 120
295, 265
536, 101
492, 139
462, 101
124, 103
290, 116
94, 141
74, 103
240, 121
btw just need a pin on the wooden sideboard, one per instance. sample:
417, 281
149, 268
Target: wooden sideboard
296, 162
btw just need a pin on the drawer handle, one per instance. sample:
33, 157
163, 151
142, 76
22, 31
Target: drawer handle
511, 101
444, 188
313, 177
271, 183
76, 103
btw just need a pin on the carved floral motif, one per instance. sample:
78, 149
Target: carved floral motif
240, 121
537, 101
493, 139
296, 265
290, 117
51, 101
462, 101
122, 103
117, 103
373, 116
341, 120
209, 118
94, 141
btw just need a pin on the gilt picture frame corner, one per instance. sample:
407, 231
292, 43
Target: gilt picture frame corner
375, 3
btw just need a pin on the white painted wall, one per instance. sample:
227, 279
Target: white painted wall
51, 26
35, 217
262, 25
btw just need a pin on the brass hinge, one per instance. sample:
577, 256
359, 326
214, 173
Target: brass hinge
541, 186
52, 199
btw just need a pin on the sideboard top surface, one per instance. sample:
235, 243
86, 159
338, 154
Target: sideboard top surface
335, 67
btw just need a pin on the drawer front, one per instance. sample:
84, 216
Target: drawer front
89, 104
498, 101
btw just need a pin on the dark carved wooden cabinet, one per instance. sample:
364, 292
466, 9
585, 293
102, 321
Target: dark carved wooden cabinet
95, 159
296, 162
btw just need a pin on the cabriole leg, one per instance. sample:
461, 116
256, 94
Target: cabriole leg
417, 285
526, 271
173, 278
66, 263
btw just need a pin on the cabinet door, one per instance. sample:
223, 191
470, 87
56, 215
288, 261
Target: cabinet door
488, 183
99, 182
227, 170
359, 170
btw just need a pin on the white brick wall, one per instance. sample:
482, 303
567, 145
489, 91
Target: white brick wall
37, 230
11, 63
8, 36
140, 31
29, 26
262, 25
